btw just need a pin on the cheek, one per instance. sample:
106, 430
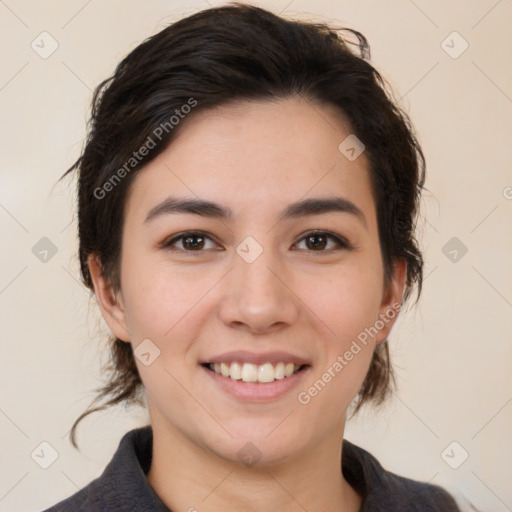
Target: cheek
160, 300
346, 307
163, 303
168, 308
346, 315
346, 299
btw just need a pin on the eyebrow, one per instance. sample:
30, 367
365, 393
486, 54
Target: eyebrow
316, 206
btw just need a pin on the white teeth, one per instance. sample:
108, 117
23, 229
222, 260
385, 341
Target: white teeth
224, 369
266, 373
235, 371
249, 372
279, 372
288, 369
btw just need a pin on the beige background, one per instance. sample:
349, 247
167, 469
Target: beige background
452, 353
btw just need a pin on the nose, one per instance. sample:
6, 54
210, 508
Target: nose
257, 297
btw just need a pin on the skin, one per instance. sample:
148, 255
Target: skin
255, 158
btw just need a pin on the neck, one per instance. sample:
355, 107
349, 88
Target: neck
189, 478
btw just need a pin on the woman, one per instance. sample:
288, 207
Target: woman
247, 203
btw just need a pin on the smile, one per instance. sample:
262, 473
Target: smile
248, 372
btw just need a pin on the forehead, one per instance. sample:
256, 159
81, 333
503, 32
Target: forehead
250, 154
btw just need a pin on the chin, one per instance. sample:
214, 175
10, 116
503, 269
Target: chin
260, 443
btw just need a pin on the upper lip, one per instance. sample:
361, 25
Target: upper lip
243, 356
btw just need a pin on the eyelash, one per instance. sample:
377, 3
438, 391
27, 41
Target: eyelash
341, 242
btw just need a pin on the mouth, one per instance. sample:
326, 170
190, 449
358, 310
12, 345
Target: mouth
261, 373
252, 377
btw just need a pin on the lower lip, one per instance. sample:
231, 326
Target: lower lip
257, 391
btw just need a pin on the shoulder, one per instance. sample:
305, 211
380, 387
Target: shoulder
385, 491
123, 485
87, 499
404, 494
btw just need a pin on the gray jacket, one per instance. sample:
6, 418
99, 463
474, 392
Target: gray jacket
123, 485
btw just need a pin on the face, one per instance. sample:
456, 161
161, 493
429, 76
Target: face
255, 286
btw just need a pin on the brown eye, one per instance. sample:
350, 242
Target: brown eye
318, 241
191, 241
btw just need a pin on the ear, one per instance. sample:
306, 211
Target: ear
111, 304
391, 300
